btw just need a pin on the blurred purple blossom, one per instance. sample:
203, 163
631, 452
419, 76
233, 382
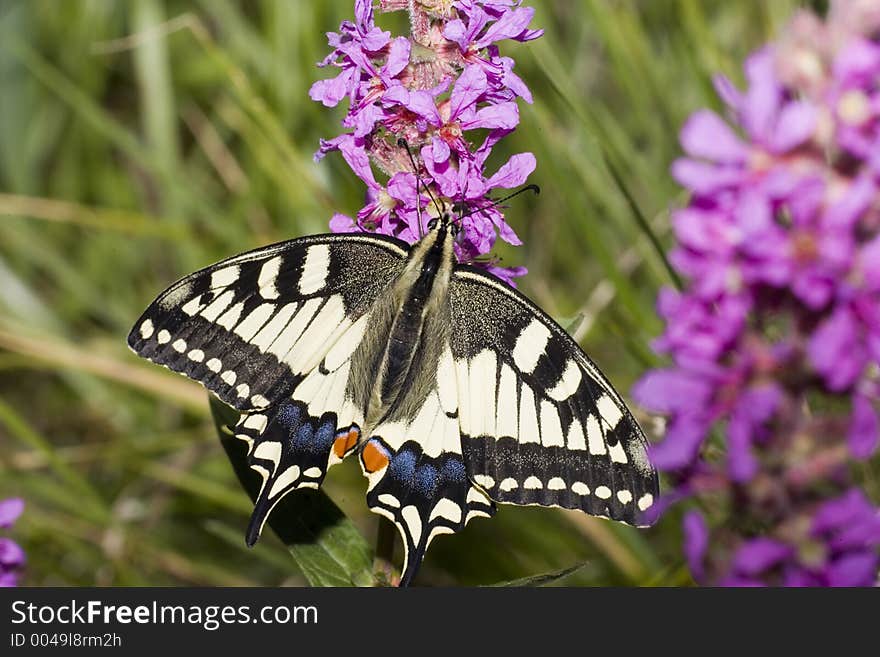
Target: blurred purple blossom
12, 557
457, 87
775, 339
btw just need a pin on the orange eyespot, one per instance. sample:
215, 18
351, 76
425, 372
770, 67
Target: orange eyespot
374, 457
343, 444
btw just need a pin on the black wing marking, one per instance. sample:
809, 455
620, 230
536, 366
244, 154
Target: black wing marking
250, 328
540, 424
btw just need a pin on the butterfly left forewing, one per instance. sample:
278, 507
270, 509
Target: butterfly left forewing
282, 333
540, 424
250, 328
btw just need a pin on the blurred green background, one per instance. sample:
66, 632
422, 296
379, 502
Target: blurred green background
142, 140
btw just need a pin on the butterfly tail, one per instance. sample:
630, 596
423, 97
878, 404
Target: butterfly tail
290, 449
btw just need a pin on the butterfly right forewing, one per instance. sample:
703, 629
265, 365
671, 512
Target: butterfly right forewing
540, 424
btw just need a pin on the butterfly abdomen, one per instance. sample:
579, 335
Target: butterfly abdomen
423, 291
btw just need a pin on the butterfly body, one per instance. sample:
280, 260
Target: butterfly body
454, 390
419, 327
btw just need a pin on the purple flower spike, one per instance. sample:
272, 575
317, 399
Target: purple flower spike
774, 340
12, 557
459, 84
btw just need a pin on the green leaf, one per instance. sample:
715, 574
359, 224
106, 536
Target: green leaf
545, 578
323, 542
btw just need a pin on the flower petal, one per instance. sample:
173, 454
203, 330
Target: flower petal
684, 436
330, 92
442, 172
10, 510
328, 145
513, 82
363, 13
402, 186
762, 99
456, 32
419, 102
860, 195
510, 26
853, 570
795, 125
759, 555
857, 62
705, 135
671, 391
703, 178
398, 57
8, 579
514, 172
470, 85
863, 430
366, 119
869, 263
340, 223
505, 231
727, 91
503, 116
696, 542
11, 555
440, 150
506, 274
851, 507
355, 155
835, 352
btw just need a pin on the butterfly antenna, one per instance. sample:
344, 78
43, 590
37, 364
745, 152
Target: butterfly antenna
527, 188
403, 143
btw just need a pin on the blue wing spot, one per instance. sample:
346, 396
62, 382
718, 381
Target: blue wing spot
304, 437
289, 417
427, 479
454, 470
324, 436
403, 465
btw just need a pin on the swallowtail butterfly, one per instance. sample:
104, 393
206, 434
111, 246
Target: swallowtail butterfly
453, 389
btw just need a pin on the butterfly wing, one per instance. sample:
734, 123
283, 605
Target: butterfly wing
278, 333
540, 424
413, 459
293, 443
252, 327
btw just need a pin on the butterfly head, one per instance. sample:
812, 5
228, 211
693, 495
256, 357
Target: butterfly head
446, 223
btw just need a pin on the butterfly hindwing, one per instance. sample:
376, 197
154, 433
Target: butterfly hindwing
413, 459
251, 328
293, 443
539, 423
420, 483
